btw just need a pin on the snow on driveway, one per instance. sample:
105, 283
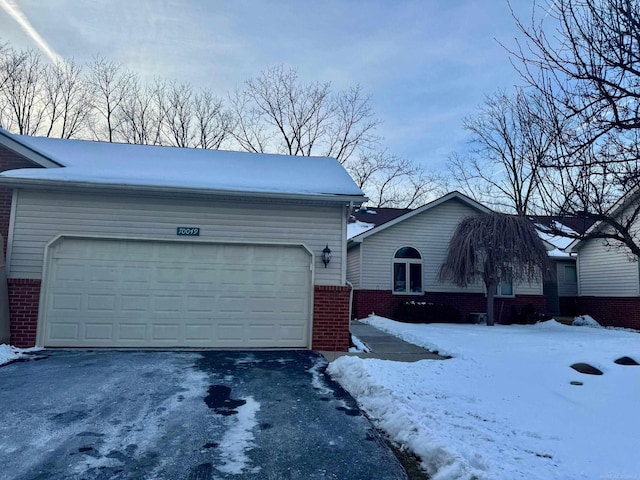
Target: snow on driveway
9, 353
503, 407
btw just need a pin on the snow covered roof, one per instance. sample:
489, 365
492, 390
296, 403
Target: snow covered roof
218, 171
559, 242
358, 227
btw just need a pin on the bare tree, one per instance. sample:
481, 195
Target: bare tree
109, 84
392, 181
141, 114
177, 115
277, 112
583, 56
513, 136
22, 102
212, 122
67, 98
494, 247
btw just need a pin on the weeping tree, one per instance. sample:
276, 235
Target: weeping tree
494, 247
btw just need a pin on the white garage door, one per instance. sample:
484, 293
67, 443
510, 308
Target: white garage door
125, 293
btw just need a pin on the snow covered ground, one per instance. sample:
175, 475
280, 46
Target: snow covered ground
9, 353
504, 407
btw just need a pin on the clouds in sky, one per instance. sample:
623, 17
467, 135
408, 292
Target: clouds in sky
426, 63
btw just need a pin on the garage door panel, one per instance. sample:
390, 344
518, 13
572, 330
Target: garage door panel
99, 331
230, 334
103, 302
144, 293
66, 302
136, 276
198, 332
131, 332
200, 304
134, 303
64, 331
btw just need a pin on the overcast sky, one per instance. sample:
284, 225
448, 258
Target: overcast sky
427, 64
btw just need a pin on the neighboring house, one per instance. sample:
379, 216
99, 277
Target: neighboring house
399, 258
143, 246
608, 278
561, 284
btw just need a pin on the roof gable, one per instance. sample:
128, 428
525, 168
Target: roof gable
455, 195
13, 143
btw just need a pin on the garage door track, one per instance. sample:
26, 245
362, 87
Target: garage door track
183, 415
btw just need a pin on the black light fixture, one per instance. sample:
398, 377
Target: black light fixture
326, 255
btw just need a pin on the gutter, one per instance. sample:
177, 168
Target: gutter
13, 182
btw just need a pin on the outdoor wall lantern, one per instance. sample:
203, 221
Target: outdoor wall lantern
326, 255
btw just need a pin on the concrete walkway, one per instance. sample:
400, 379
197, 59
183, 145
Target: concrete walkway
384, 346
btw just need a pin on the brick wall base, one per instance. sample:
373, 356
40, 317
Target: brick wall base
611, 311
383, 303
331, 318
24, 297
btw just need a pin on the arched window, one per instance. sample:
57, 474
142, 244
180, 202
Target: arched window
407, 271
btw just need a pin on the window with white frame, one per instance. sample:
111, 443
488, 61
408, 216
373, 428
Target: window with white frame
505, 287
407, 271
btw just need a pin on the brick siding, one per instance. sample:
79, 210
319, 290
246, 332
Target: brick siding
331, 318
24, 298
384, 302
611, 311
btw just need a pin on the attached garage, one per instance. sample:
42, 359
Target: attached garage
128, 293
130, 246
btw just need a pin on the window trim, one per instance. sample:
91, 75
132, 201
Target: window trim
499, 288
407, 262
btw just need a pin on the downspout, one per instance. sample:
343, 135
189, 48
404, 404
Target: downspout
350, 300
345, 262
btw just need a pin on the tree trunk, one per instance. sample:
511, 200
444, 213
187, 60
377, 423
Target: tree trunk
491, 292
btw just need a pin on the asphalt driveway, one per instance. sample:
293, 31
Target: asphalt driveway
183, 415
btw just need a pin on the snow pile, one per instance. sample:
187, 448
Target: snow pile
9, 353
504, 407
359, 345
585, 321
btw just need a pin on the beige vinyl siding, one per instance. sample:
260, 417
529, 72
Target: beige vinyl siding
606, 271
566, 288
429, 232
353, 266
41, 216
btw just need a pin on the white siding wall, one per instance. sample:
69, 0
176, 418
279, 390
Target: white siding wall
353, 266
41, 216
605, 271
430, 233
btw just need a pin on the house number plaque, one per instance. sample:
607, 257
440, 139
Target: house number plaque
189, 231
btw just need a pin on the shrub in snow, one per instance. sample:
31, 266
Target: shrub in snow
424, 312
528, 315
585, 321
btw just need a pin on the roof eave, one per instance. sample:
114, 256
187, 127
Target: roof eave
9, 141
13, 182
